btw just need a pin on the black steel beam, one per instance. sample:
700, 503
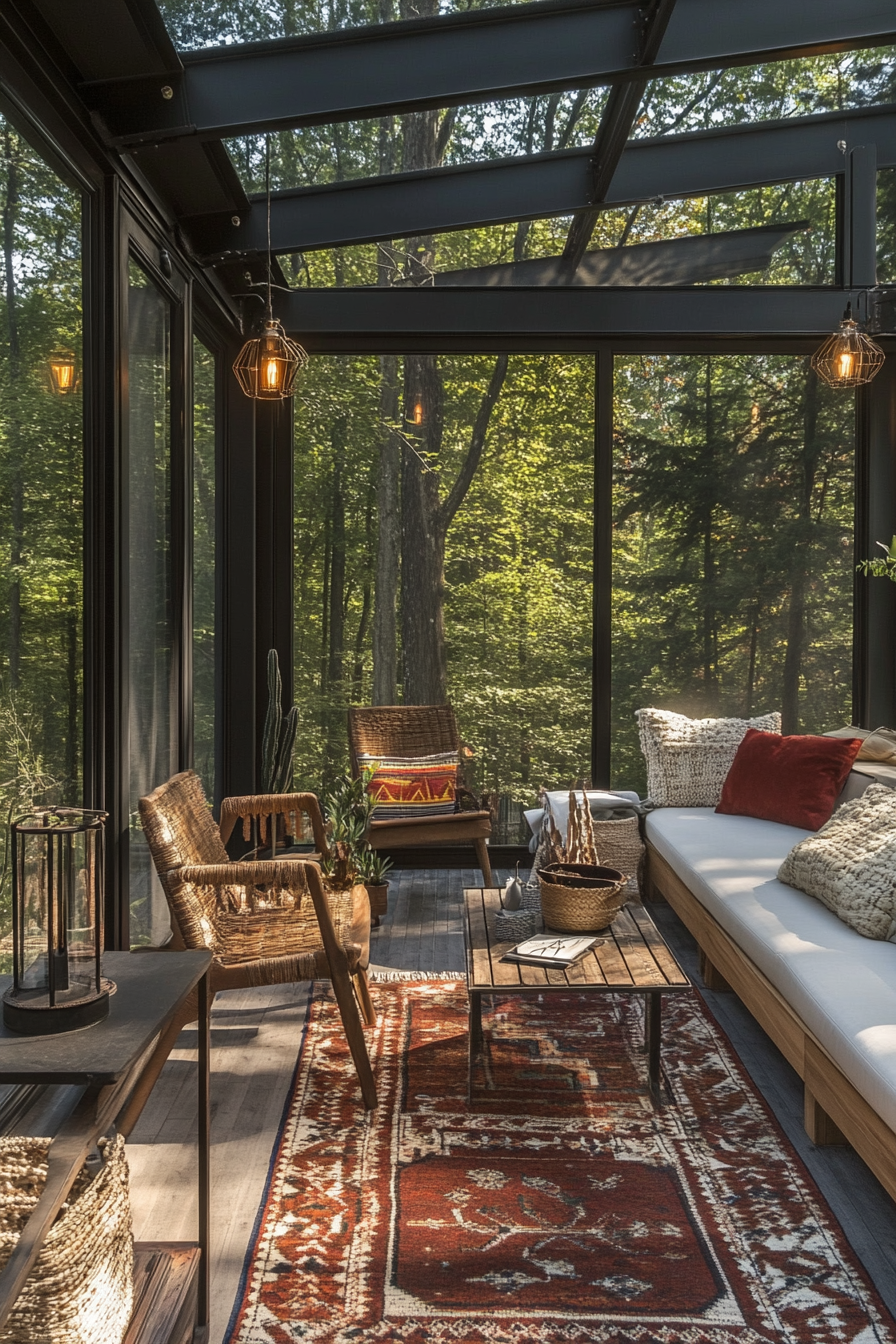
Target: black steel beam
616, 122
472, 57
424, 319
440, 200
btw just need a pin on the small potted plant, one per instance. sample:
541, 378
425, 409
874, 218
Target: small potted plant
372, 870
348, 808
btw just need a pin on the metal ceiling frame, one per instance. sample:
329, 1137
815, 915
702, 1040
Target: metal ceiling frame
438, 200
482, 55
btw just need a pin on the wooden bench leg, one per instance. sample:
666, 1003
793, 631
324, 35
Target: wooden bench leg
354, 1032
482, 856
818, 1124
712, 978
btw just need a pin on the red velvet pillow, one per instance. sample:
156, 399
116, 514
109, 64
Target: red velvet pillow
794, 780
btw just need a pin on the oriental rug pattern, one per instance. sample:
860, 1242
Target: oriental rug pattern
558, 1208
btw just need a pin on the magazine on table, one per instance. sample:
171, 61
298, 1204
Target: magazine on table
554, 950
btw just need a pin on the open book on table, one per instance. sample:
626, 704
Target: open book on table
558, 950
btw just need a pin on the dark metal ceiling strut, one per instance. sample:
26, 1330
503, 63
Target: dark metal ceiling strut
463, 197
476, 56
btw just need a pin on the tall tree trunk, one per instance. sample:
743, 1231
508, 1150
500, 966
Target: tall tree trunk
16, 482
337, 554
385, 619
796, 614
425, 670
710, 679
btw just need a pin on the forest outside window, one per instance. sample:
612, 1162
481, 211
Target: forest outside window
733, 558
42, 500
444, 541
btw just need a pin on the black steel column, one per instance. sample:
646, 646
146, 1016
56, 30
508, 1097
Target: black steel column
601, 666
273, 552
874, 655
238, 553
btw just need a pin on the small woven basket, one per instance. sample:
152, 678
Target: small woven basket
619, 845
582, 909
81, 1289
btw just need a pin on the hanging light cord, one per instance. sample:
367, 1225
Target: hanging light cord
267, 177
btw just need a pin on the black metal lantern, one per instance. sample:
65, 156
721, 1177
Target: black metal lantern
848, 358
57, 922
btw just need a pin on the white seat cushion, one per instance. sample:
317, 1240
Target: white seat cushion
842, 985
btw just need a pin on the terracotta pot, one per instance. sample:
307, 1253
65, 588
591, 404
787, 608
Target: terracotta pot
379, 900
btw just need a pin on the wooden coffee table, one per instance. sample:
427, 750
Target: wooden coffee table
631, 958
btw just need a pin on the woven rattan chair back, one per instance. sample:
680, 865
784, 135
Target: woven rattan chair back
179, 826
401, 730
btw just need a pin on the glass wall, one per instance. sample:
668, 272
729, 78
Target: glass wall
444, 534
41, 500
733, 498
204, 566
153, 693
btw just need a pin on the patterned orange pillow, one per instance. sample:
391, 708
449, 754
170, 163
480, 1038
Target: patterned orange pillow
417, 786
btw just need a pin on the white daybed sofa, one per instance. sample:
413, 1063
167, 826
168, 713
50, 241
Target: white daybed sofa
825, 994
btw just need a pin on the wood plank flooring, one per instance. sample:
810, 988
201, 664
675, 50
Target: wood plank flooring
255, 1038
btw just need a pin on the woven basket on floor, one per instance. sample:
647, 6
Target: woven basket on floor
582, 909
619, 845
81, 1290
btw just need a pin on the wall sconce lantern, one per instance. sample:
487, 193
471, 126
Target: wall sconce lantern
267, 365
848, 358
63, 373
57, 922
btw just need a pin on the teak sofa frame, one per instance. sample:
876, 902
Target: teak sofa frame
834, 1111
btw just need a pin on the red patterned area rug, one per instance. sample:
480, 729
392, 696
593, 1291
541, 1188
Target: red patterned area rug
558, 1208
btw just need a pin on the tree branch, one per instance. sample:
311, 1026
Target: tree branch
458, 491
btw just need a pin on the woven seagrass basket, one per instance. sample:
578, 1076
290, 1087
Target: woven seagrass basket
619, 845
581, 909
81, 1290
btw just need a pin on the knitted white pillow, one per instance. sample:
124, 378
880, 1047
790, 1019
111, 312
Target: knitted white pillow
688, 759
850, 864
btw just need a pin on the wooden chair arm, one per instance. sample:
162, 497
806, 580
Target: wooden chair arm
264, 805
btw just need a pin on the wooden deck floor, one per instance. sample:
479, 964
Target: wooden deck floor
255, 1036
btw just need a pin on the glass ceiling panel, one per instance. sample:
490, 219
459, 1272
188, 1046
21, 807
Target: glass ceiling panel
795, 88
194, 24
484, 131
313, 155
807, 258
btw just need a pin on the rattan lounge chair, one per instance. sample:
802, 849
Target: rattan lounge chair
413, 731
268, 922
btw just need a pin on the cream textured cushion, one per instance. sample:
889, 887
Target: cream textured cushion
688, 759
850, 864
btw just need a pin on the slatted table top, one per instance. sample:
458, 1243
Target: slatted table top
631, 955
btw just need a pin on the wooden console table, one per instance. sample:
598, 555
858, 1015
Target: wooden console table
630, 958
101, 1064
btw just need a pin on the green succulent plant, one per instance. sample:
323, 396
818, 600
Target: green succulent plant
883, 567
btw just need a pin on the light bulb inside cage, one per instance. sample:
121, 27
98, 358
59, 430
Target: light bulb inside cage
848, 358
62, 373
267, 365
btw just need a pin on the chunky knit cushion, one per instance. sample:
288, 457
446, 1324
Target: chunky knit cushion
412, 786
850, 864
688, 759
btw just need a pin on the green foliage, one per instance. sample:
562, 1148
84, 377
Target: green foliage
347, 808
882, 567
204, 565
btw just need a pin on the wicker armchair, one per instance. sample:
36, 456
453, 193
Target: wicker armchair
416, 730
268, 922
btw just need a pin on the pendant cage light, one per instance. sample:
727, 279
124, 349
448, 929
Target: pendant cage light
848, 358
62, 373
267, 365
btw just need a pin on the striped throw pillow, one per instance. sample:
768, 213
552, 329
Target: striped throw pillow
417, 786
